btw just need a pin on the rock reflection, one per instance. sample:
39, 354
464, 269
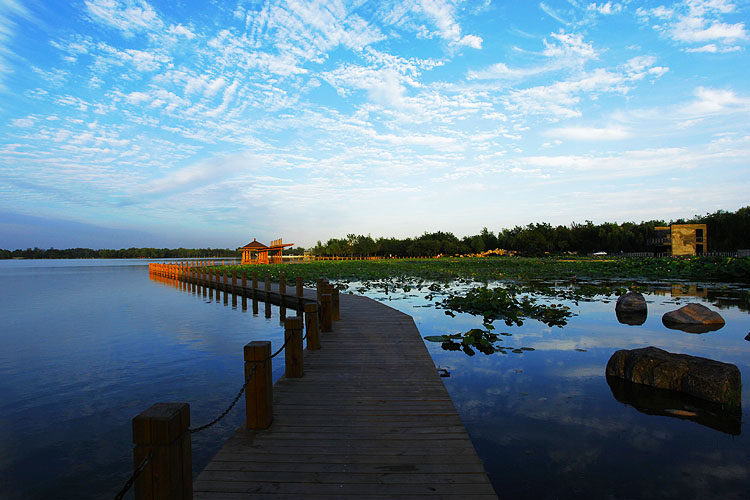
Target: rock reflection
652, 401
631, 318
692, 328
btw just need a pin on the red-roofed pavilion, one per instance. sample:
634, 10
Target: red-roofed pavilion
256, 252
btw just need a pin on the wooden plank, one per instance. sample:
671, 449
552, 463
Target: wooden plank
370, 418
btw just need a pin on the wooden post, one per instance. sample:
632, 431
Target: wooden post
311, 326
210, 284
259, 389
335, 304
325, 313
293, 351
255, 304
300, 285
267, 305
162, 430
234, 281
255, 280
282, 285
268, 284
319, 287
244, 282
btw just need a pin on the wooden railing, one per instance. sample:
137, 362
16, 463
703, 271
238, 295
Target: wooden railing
162, 453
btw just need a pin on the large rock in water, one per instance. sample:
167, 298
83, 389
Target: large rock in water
699, 377
693, 318
631, 309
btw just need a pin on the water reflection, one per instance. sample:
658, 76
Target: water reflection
631, 318
681, 290
653, 401
698, 329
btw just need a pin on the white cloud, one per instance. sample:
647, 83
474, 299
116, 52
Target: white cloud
561, 99
473, 41
23, 122
605, 8
442, 15
200, 174
181, 31
569, 46
564, 51
552, 13
9, 11
698, 22
611, 133
716, 101
128, 16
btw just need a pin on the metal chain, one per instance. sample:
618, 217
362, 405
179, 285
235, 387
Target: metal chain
136, 473
239, 394
231, 405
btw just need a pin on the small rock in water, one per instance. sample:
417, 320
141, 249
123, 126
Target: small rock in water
631, 309
631, 302
693, 318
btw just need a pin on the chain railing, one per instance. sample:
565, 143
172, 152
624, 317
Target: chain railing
242, 390
136, 473
172, 419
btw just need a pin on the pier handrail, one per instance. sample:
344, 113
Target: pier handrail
162, 432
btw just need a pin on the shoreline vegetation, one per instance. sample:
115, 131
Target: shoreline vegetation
578, 271
726, 232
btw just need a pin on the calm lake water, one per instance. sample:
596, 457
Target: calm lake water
89, 344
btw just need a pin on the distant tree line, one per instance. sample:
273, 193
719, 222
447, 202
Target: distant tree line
727, 231
123, 253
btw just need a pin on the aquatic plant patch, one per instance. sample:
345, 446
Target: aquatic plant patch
501, 303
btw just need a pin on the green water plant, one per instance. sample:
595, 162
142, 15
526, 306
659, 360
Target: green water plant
501, 303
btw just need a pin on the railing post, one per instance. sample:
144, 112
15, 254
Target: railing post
259, 389
162, 430
282, 285
255, 280
311, 327
335, 304
268, 284
234, 281
244, 281
325, 313
300, 284
293, 351
319, 287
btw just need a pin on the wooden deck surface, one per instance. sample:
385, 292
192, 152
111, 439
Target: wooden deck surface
371, 418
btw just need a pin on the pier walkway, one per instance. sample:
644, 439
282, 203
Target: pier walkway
369, 419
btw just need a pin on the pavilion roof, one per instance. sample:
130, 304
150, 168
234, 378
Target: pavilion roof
254, 245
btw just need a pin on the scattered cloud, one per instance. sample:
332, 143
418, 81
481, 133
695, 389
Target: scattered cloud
613, 133
403, 103
693, 22
716, 101
605, 9
129, 16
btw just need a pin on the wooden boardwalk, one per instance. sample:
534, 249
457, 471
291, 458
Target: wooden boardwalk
369, 419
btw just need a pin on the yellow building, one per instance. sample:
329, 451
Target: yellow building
681, 239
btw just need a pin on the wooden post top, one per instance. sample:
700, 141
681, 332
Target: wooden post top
161, 424
293, 322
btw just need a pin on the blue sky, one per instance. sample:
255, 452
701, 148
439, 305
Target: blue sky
208, 123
